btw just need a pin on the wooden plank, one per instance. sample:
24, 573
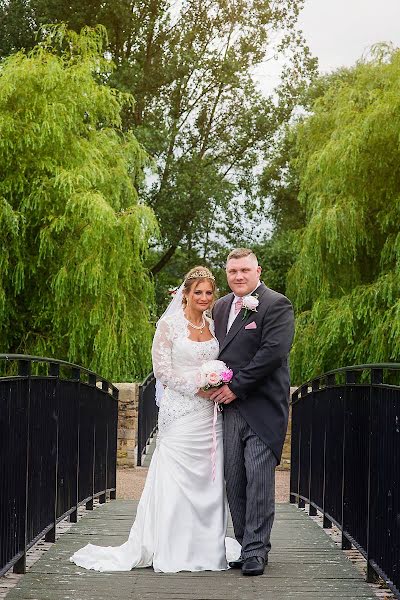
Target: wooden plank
305, 564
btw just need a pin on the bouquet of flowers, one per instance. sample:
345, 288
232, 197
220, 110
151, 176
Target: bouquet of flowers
213, 374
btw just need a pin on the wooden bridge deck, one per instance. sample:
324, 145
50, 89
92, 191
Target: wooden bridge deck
305, 564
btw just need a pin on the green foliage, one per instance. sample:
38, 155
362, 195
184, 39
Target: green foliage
279, 185
276, 256
16, 30
214, 121
73, 232
346, 279
198, 112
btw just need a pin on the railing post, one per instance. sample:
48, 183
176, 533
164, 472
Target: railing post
295, 398
102, 497
304, 392
372, 576
327, 523
76, 376
24, 370
114, 425
140, 427
314, 387
73, 517
92, 381
54, 371
350, 380
89, 503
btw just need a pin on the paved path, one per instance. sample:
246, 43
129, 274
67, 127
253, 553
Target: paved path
305, 565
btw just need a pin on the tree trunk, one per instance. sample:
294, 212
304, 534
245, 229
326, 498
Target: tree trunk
163, 260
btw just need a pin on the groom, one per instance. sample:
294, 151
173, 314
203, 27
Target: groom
255, 343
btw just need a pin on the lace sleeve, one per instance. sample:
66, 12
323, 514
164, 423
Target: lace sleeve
162, 361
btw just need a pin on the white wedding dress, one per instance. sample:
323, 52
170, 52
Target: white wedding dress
182, 515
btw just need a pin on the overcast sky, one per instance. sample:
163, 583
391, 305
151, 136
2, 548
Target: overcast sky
339, 32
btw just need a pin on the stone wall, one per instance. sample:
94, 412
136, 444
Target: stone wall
127, 423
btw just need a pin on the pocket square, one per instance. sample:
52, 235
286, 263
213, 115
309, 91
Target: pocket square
252, 325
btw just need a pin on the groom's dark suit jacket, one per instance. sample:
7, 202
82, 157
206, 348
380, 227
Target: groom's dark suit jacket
259, 359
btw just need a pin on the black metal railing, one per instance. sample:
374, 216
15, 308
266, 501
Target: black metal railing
58, 439
345, 460
147, 415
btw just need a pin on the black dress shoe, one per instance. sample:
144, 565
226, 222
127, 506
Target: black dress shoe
254, 565
236, 564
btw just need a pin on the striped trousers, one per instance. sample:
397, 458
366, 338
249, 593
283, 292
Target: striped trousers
250, 484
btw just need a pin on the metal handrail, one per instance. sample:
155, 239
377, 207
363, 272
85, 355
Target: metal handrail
58, 441
345, 457
33, 358
371, 366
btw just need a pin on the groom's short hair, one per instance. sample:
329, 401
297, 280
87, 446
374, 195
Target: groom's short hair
241, 253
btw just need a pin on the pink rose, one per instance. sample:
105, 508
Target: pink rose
227, 375
213, 378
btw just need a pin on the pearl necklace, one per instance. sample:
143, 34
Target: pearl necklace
198, 327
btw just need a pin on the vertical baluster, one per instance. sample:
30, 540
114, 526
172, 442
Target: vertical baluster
330, 383
376, 379
102, 417
314, 389
114, 427
24, 370
89, 503
54, 371
350, 381
73, 517
294, 483
303, 396
140, 427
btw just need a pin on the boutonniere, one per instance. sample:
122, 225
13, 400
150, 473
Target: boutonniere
250, 303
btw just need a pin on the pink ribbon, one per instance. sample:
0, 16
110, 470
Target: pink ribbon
214, 441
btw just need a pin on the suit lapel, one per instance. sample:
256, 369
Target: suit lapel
224, 316
240, 322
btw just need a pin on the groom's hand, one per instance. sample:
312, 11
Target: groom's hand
223, 395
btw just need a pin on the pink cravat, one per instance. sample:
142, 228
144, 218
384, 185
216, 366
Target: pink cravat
238, 305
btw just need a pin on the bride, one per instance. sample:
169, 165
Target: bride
182, 514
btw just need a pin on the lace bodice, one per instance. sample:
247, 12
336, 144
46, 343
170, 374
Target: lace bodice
176, 363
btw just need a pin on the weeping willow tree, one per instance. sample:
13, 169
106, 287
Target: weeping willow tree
346, 280
73, 232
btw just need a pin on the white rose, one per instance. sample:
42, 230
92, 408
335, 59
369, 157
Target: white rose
213, 365
201, 379
250, 302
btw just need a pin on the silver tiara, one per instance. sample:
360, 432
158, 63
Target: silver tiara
200, 275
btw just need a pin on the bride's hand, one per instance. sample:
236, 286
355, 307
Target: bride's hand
205, 393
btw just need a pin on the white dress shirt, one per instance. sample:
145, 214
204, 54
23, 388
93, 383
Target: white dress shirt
233, 314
